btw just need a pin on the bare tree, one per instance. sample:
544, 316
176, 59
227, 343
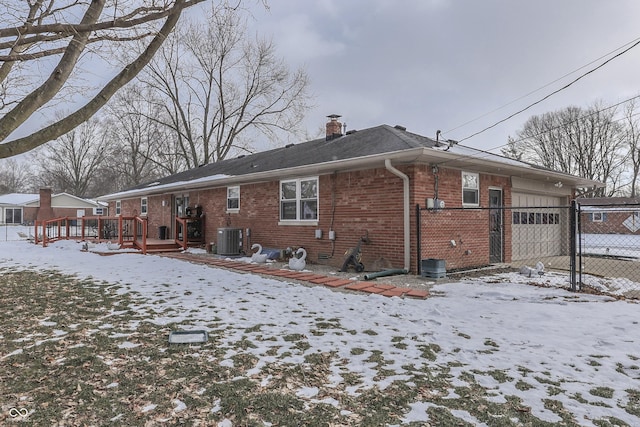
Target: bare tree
16, 176
223, 88
72, 162
632, 138
588, 143
135, 137
35, 32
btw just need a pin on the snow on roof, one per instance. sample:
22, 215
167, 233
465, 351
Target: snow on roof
156, 185
17, 198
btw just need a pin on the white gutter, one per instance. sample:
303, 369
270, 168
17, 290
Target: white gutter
407, 209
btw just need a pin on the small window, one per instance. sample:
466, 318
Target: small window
97, 211
470, 189
299, 199
597, 217
118, 207
516, 217
233, 198
144, 205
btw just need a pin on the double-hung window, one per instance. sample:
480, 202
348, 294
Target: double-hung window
470, 189
144, 206
233, 199
299, 199
118, 207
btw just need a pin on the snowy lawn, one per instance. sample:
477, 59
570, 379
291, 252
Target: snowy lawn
85, 342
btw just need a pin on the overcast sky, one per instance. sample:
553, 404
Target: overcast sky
438, 64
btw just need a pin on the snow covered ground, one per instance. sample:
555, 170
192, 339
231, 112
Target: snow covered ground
618, 245
537, 343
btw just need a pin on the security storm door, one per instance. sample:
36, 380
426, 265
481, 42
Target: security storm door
495, 226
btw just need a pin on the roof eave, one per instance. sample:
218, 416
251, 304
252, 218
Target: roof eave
313, 169
420, 154
521, 170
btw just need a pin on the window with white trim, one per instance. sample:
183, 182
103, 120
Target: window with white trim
233, 199
598, 217
118, 207
470, 189
13, 215
299, 199
144, 206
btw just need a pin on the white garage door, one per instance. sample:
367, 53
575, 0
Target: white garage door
536, 226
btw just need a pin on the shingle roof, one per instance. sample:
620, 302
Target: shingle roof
371, 141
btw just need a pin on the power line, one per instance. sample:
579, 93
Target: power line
573, 121
540, 88
553, 93
487, 153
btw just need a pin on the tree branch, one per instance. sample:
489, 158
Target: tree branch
22, 145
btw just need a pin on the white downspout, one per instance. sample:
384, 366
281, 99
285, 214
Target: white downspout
407, 209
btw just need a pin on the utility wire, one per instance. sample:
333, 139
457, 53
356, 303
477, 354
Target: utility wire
487, 153
540, 88
573, 121
552, 93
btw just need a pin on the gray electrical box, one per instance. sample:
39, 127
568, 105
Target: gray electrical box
229, 241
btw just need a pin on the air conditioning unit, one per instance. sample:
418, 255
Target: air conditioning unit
229, 241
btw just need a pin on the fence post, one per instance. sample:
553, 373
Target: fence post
573, 247
418, 240
579, 247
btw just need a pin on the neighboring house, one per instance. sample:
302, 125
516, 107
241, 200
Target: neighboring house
12, 207
17, 208
325, 194
610, 215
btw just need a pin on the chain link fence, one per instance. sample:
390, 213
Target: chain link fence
608, 247
587, 248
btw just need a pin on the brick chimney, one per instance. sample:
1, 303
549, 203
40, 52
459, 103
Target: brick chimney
45, 211
334, 127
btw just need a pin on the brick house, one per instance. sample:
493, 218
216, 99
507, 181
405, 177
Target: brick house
610, 215
325, 194
20, 208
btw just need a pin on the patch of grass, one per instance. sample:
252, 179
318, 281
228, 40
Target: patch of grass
429, 351
523, 386
253, 329
293, 337
500, 376
633, 404
356, 351
604, 392
85, 378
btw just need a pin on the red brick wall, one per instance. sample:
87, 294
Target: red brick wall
612, 223
467, 228
350, 203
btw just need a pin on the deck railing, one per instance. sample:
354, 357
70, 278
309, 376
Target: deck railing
140, 235
122, 229
181, 232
